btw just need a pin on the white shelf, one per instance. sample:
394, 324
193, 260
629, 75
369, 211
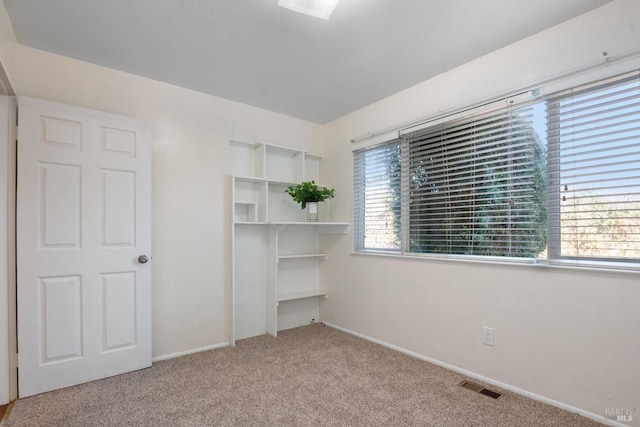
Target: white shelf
276, 182
303, 256
270, 181
323, 227
276, 252
274, 162
302, 294
309, 223
269, 201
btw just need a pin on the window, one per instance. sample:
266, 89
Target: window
555, 178
377, 189
594, 171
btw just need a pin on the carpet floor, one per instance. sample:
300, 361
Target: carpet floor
308, 376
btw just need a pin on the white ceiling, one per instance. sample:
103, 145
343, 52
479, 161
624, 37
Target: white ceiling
259, 54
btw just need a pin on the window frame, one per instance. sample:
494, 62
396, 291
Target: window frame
552, 258
598, 88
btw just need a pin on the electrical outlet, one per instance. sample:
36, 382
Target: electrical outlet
488, 336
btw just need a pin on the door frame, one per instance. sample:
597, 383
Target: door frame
8, 326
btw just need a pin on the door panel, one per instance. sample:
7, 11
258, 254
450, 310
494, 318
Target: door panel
83, 218
61, 327
60, 131
119, 308
59, 206
118, 208
118, 142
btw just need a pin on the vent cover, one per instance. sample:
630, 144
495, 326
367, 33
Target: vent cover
477, 388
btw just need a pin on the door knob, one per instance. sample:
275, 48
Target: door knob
142, 259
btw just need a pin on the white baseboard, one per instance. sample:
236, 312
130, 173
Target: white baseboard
184, 353
586, 414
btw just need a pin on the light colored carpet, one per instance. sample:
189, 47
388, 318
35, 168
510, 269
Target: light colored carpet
309, 376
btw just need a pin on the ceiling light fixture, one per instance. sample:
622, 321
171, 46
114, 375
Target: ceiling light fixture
318, 8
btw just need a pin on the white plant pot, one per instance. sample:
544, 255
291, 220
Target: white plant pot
312, 211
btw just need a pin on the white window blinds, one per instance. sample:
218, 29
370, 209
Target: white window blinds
557, 178
594, 170
377, 178
477, 187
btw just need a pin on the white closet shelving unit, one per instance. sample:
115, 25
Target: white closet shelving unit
276, 253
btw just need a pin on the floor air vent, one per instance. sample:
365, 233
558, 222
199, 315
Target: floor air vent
477, 388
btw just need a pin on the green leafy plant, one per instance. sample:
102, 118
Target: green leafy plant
309, 191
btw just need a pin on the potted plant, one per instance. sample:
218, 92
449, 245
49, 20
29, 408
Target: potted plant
308, 194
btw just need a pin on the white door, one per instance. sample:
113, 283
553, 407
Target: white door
83, 221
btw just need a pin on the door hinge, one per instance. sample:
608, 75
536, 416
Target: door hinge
16, 360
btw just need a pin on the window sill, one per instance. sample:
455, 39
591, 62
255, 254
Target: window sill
602, 266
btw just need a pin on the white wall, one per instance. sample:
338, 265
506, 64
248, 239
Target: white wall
567, 335
190, 133
7, 51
